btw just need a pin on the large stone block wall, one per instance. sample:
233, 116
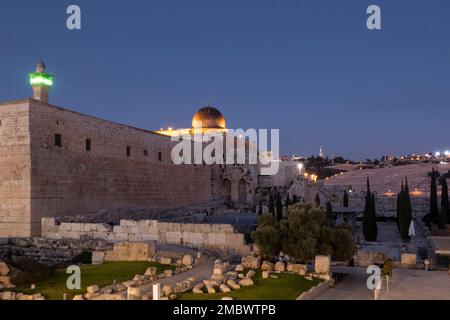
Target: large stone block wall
49, 251
15, 170
220, 237
39, 179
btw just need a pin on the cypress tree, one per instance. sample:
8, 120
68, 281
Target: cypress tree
345, 200
288, 201
445, 205
317, 200
271, 203
329, 215
404, 210
279, 207
433, 216
442, 219
294, 199
370, 217
399, 206
260, 209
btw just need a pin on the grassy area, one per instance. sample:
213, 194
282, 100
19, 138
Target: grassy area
286, 287
55, 286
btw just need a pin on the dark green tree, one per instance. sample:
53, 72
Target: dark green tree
343, 247
260, 208
294, 199
271, 203
317, 200
444, 199
288, 201
404, 212
302, 230
279, 207
433, 216
268, 235
345, 200
370, 229
442, 219
329, 220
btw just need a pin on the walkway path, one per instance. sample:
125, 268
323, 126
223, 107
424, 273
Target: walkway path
405, 284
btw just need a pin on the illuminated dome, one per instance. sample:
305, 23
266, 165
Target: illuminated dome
209, 117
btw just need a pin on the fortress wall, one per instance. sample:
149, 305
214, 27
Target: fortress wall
14, 169
212, 236
69, 180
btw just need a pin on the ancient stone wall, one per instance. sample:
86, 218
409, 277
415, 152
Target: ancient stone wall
221, 237
15, 169
49, 251
58, 162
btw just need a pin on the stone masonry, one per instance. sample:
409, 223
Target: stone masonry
221, 237
124, 167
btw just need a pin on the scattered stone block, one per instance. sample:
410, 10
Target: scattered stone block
6, 282
210, 289
409, 259
164, 260
280, 266
224, 288
4, 269
227, 299
267, 266
78, 297
231, 274
250, 274
132, 251
246, 282
265, 274
218, 271
98, 257
93, 289
212, 282
187, 260
233, 285
251, 262
167, 291
151, 272
322, 265
168, 273
239, 268
134, 293
197, 290
300, 269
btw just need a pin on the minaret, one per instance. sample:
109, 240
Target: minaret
321, 153
41, 82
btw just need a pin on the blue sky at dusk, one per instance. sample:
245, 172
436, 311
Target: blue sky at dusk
310, 68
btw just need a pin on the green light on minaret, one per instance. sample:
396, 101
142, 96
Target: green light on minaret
41, 79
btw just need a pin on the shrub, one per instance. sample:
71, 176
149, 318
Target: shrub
84, 257
30, 271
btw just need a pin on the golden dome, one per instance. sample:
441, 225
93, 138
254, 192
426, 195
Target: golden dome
209, 117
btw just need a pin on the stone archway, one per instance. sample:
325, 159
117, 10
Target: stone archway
242, 191
226, 190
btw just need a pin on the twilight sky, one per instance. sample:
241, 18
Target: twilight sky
310, 68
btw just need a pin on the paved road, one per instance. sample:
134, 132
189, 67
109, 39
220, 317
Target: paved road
404, 285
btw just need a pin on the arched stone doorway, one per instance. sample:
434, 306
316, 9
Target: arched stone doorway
242, 191
226, 190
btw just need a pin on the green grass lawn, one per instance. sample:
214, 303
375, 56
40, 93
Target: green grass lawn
55, 286
286, 287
